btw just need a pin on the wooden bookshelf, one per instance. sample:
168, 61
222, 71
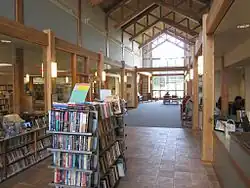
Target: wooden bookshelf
112, 146
20, 152
6, 101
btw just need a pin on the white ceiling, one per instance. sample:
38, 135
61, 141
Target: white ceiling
227, 35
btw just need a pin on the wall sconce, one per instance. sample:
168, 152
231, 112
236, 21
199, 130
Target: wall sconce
200, 65
103, 76
187, 78
96, 74
67, 79
191, 74
27, 78
42, 71
125, 78
53, 69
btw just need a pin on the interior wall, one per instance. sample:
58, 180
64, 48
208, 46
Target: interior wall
247, 87
60, 16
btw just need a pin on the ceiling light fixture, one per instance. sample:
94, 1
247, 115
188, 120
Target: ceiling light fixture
243, 26
5, 41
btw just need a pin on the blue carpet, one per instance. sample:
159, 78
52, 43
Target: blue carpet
154, 114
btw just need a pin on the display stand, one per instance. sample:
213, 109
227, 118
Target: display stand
75, 145
22, 151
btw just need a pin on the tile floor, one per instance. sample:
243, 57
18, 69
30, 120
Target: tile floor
156, 158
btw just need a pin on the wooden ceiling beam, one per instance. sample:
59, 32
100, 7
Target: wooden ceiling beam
170, 74
116, 6
216, 13
188, 13
158, 69
159, 34
179, 27
133, 18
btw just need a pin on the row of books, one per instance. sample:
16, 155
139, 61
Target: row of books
107, 140
43, 144
74, 142
68, 120
105, 110
106, 125
109, 157
77, 161
19, 153
74, 178
116, 171
19, 140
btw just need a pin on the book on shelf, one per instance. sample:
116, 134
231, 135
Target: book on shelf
74, 145
20, 151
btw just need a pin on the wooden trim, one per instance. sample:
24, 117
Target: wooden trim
79, 23
155, 69
74, 49
73, 69
216, 13
19, 11
173, 74
19, 31
208, 94
49, 56
198, 45
135, 87
195, 85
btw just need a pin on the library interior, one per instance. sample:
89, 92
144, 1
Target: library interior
124, 93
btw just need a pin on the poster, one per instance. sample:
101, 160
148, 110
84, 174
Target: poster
79, 93
104, 93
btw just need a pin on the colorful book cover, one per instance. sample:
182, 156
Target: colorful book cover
79, 93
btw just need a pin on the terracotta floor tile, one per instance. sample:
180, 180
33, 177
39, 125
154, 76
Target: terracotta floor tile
156, 158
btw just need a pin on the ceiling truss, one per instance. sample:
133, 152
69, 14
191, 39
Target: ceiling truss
146, 20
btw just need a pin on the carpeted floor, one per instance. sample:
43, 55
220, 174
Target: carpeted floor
154, 114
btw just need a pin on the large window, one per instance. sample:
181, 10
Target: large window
172, 84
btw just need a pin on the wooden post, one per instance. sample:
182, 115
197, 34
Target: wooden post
86, 79
208, 94
79, 23
31, 84
224, 89
18, 83
73, 69
107, 36
123, 73
195, 94
135, 88
19, 11
100, 65
49, 56
151, 85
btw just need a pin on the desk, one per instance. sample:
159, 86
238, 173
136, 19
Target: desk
231, 162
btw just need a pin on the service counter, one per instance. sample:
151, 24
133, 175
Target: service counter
232, 159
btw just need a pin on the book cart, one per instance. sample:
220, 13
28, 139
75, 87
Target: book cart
85, 148
24, 150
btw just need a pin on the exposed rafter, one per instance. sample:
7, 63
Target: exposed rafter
187, 13
137, 14
167, 39
116, 6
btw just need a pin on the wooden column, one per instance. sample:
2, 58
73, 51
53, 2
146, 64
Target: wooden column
31, 84
18, 83
79, 23
151, 85
208, 94
86, 79
73, 69
224, 89
19, 11
123, 73
195, 94
49, 56
100, 65
135, 88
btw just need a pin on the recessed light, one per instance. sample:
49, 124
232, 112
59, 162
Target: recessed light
5, 41
243, 26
